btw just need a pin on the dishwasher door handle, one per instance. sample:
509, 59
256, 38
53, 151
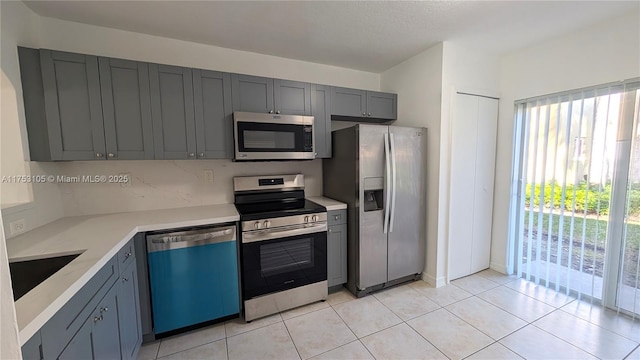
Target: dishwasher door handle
171, 241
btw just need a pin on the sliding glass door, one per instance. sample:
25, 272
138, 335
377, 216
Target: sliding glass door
574, 207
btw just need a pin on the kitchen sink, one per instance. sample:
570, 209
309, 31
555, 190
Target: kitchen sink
27, 274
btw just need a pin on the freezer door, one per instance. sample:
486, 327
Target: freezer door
372, 256
406, 238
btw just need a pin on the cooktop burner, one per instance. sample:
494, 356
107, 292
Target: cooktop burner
269, 210
265, 197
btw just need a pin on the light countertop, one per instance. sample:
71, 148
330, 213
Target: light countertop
328, 203
98, 238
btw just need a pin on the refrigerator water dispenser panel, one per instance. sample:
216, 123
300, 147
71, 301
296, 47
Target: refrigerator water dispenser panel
373, 200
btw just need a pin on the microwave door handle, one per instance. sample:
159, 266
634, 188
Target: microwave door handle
392, 216
387, 186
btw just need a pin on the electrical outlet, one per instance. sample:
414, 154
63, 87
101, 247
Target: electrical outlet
17, 226
208, 176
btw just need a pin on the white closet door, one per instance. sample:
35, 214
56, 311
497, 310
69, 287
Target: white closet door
473, 148
463, 159
484, 180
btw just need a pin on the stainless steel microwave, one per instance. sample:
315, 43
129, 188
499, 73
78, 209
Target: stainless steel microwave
273, 137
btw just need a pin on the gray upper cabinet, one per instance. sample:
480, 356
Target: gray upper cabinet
373, 106
62, 101
213, 114
321, 111
292, 97
273, 96
252, 93
348, 102
126, 108
382, 105
174, 133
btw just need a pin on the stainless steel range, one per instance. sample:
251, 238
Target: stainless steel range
283, 252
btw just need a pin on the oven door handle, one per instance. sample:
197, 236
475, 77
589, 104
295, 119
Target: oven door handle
270, 234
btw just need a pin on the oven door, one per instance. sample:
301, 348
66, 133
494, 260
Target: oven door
280, 259
273, 137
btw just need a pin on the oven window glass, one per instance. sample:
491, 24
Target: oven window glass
258, 139
286, 256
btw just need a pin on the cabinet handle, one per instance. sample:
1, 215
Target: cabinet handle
201, 155
104, 309
99, 155
270, 111
278, 112
364, 114
337, 217
369, 114
111, 155
127, 255
124, 279
192, 154
97, 318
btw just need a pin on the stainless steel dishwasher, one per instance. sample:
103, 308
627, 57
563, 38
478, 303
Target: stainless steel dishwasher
193, 277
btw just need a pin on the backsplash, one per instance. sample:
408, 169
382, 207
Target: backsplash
162, 184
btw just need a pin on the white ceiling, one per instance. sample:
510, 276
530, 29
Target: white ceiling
365, 35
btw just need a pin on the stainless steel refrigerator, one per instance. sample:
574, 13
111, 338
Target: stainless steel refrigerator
379, 171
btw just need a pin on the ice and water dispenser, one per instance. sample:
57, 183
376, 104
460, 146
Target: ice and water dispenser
373, 194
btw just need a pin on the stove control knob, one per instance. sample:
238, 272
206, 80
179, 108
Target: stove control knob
267, 223
257, 225
314, 218
306, 219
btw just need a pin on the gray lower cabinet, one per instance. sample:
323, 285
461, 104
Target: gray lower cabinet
348, 104
32, 349
213, 114
337, 248
128, 306
174, 132
102, 321
273, 96
321, 111
126, 108
98, 337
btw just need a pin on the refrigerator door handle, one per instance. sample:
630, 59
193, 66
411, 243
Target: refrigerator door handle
392, 215
387, 185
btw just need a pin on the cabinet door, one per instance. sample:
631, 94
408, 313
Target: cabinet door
128, 304
126, 107
31, 349
174, 134
80, 346
72, 105
382, 105
214, 114
252, 93
337, 255
348, 102
104, 332
321, 111
292, 97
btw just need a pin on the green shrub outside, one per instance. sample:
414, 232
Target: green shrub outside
594, 198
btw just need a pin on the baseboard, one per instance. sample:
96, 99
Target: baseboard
435, 282
501, 268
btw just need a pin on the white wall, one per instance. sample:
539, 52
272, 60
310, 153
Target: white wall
418, 83
603, 53
162, 184
468, 71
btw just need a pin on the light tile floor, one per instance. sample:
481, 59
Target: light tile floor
483, 316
